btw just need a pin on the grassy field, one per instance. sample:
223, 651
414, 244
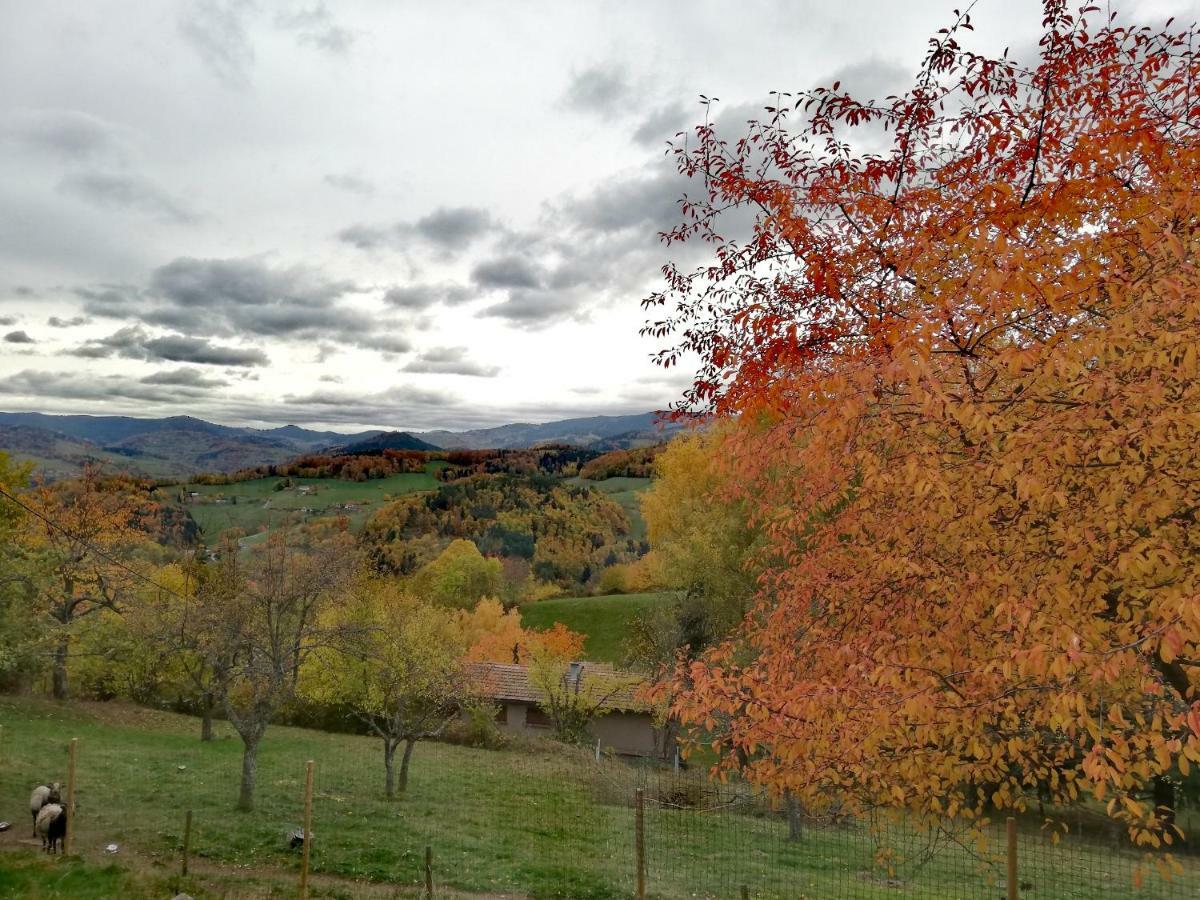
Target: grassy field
624, 491
532, 823
605, 620
255, 506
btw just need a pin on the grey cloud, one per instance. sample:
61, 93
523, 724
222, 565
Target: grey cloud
56, 322
110, 300
398, 405
240, 297
452, 227
600, 89
64, 133
507, 272
184, 376
330, 379
18, 337
423, 296
535, 308
179, 348
871, 79
315, 27
134, 342
450, 361
249, 298
115, 190
217, 32
368, 237
662, 125
586, 250
350, 183
243, 283
8, 320
79, 386
385, 343
647, 200
449, 229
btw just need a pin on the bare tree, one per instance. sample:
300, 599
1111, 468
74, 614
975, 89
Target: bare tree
272, 610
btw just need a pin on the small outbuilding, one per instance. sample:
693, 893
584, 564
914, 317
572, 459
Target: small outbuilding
624, 724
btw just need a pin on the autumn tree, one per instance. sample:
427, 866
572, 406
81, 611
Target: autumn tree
459, 577
271, 609
702, 546
185, 625
962, 376
80, 540
396, 663
493, 634
18, 622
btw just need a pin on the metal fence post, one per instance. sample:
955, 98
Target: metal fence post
1012, 858
639, 840
69, 837
306, 847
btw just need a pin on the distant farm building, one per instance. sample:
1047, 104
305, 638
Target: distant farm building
624, 724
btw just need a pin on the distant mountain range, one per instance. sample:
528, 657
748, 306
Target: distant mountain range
625, 431
183, 445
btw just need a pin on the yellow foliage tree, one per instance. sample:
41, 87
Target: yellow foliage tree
396, 663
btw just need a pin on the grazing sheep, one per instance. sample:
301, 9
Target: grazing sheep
51, 826
43, 794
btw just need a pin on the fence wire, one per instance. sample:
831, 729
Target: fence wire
533, 819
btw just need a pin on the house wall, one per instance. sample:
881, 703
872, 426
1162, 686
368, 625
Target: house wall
514, 717
627, 733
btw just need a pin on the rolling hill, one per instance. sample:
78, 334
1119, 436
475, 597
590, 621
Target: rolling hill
602, 432
176, 446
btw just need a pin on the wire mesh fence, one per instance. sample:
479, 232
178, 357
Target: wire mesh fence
531, 819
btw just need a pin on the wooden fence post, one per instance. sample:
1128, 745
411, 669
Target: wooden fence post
306, 846
187, 841
745, 892
1012, 858
69, 837
639, 840
428, 872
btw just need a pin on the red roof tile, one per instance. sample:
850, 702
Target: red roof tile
501, 681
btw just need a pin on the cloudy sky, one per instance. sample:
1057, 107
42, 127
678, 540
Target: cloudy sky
374, 212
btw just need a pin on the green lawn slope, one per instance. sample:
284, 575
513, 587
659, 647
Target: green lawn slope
607, 621
537, 822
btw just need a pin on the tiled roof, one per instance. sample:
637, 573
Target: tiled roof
501, 681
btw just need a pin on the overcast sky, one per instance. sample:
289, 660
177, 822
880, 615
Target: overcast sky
374, 212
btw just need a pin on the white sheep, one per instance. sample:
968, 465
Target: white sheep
51, 826
43, 794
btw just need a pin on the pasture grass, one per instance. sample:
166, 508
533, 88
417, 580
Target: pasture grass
539, 822
255, 506
606, 620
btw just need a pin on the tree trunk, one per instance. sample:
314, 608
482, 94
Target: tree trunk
249, 772
404, 760
795, 822
389, 768
61, 689
206, 716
